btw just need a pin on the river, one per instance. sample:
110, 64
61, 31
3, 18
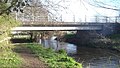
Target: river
89, 57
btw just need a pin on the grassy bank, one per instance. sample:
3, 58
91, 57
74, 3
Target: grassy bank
8, 58
54, 59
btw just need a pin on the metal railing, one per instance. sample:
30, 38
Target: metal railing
96, 19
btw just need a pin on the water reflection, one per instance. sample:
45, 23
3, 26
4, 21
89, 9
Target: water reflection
102, 63
89, 57
56, 45
97, 58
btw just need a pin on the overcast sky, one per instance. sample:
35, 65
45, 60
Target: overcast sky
80, 8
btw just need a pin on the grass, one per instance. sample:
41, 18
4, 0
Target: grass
9, 59
54, 59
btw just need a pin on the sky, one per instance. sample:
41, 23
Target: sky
80, 10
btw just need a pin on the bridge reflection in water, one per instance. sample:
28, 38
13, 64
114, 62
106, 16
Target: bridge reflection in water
56, 45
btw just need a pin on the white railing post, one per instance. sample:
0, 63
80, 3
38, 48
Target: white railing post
106, 19
116, 19
96, 19
85, 19
73, 18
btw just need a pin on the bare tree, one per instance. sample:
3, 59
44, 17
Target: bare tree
110, 4
7, 6
44, 9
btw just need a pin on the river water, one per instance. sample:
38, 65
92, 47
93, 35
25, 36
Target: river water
89, 57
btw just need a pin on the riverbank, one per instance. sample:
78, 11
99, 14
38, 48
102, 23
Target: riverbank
54, 59
115, 41
109, 42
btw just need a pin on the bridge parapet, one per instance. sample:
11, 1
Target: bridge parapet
103, 19
82, 22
